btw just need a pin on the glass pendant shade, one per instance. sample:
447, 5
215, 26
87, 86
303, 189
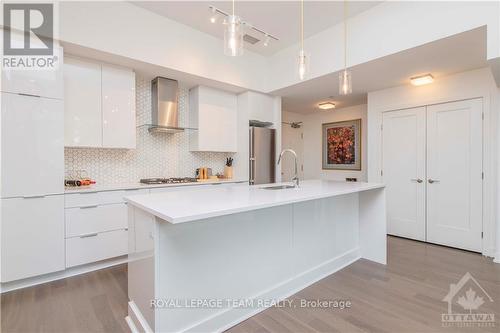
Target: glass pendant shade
233, 36
302, 65
345, 82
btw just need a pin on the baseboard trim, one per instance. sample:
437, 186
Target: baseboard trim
496, 259
231, 317
135, 316
131, 325
33, 281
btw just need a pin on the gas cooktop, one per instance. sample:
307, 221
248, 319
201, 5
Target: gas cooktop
151, 181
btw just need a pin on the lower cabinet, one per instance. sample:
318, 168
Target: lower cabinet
96, 226
32, 236
95, 247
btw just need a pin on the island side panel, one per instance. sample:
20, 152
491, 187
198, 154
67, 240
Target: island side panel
263, 254
373, 225
141, 269
325, 230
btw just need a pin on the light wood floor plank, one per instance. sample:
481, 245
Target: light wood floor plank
405, 297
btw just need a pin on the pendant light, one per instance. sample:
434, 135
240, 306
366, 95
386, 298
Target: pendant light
233, 35
345, 78
303, 59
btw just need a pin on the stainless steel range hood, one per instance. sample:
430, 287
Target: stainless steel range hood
164, 106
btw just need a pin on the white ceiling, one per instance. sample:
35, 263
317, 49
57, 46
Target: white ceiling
279, 18
462, 52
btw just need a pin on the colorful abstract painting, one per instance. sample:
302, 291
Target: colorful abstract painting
341, 145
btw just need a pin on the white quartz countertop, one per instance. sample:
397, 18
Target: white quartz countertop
131, 186
199, 203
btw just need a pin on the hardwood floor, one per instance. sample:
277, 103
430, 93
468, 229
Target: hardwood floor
93, 302
404, 296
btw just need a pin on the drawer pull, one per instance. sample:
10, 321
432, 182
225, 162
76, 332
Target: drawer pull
87, 207
89, 192
88, 235
33, 196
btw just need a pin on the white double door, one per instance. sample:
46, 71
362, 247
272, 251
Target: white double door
432, 166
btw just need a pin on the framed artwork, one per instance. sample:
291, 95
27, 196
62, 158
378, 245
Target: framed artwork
342, 145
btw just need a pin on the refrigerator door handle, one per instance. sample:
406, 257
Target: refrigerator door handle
252, 159
252, 170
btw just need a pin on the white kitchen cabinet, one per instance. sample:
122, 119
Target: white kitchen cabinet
214, 113
82, 107
99, 105
32, 146
92, 198
32, 236
95, 247
118, 108
261, 107
44, 83
87, 220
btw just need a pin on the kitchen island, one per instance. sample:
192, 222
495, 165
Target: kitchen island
203, 260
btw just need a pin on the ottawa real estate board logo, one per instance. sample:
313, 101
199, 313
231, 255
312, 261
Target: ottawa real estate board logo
465, 299
28, 36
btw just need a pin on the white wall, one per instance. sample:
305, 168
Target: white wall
120, 28
466, 85
385, 29
312, 151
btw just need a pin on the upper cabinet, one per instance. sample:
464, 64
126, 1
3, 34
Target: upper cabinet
261, 107
32, 162
40, 83
118, 107
214, 113
82, 107
99, 105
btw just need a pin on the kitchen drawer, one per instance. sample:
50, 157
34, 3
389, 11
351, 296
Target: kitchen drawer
91, 219
92, 248
99, 198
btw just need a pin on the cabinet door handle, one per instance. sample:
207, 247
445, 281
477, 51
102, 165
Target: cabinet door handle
417, 180
87, 207
33, 196
28, 95
88, 235
432, 181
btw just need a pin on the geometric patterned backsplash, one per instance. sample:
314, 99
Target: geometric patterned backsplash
156, 155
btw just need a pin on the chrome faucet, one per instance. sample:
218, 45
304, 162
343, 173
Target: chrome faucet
295, 178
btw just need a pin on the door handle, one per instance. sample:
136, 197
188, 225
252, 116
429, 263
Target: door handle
417, 180
432, 181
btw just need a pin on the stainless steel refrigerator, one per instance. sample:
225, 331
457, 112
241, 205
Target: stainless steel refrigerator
262, 155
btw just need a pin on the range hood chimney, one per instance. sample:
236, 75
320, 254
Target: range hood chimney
164, 106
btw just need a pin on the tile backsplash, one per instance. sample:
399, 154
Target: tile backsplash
156, 155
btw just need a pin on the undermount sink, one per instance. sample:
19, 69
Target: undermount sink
278, 187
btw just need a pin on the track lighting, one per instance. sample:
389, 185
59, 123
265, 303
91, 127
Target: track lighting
267, 40
234, 30
213, 18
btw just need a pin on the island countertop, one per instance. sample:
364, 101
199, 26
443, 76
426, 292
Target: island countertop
190, 205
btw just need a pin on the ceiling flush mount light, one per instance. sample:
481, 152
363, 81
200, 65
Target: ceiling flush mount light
233, 35
303, 59
422, 79
345, 77
326, 106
